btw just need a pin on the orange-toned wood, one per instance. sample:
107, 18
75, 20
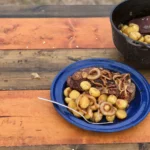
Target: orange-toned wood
25, 120
52, 33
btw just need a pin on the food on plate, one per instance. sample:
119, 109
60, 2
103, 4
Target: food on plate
72, 104
97, 117
121, 104
133, 31
84, 102
85, 85
93, 74
98, 92
94, 92
67, 100
107, 109
121, 114
110, 118
67, 91
74, 94
102, 97
112, 99
76, 114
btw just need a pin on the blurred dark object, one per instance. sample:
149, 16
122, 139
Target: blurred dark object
144, 24
133, 51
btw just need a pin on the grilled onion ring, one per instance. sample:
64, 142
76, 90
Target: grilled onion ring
94, 76
77, 102
97, 83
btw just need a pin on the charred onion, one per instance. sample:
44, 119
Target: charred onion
94, 74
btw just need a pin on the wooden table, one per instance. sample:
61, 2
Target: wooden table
44, 40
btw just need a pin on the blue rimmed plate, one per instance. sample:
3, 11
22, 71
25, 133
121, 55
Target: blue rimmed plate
137, 111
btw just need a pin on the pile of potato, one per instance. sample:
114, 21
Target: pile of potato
93, 105
132, 31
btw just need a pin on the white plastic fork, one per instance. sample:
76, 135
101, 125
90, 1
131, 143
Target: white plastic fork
51, 101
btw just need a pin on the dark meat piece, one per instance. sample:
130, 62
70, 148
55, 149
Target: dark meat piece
69, 81
97, 82
77, 75
127, 96
112, 88
131, 88
113, 91
121, 85
111, 84
75, 80
144, 24
123, 96
103, 90
75, 84
129, 93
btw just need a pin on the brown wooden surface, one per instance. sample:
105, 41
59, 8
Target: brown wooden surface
52, 33
33, 11
83, 147
33, 126
17, 66
25, 120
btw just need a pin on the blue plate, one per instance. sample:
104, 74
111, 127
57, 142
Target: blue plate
137, 111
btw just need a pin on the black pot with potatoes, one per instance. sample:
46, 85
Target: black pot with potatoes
130, 21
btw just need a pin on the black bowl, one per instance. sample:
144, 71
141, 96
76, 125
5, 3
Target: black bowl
133, 51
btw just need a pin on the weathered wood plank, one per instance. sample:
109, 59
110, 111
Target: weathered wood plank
24, 80
77, 147
53, 33
39, 60
25, 120
16, 66
109, 147
23, 11
143, 146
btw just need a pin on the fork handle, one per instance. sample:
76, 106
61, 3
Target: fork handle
44, 99
59, 104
